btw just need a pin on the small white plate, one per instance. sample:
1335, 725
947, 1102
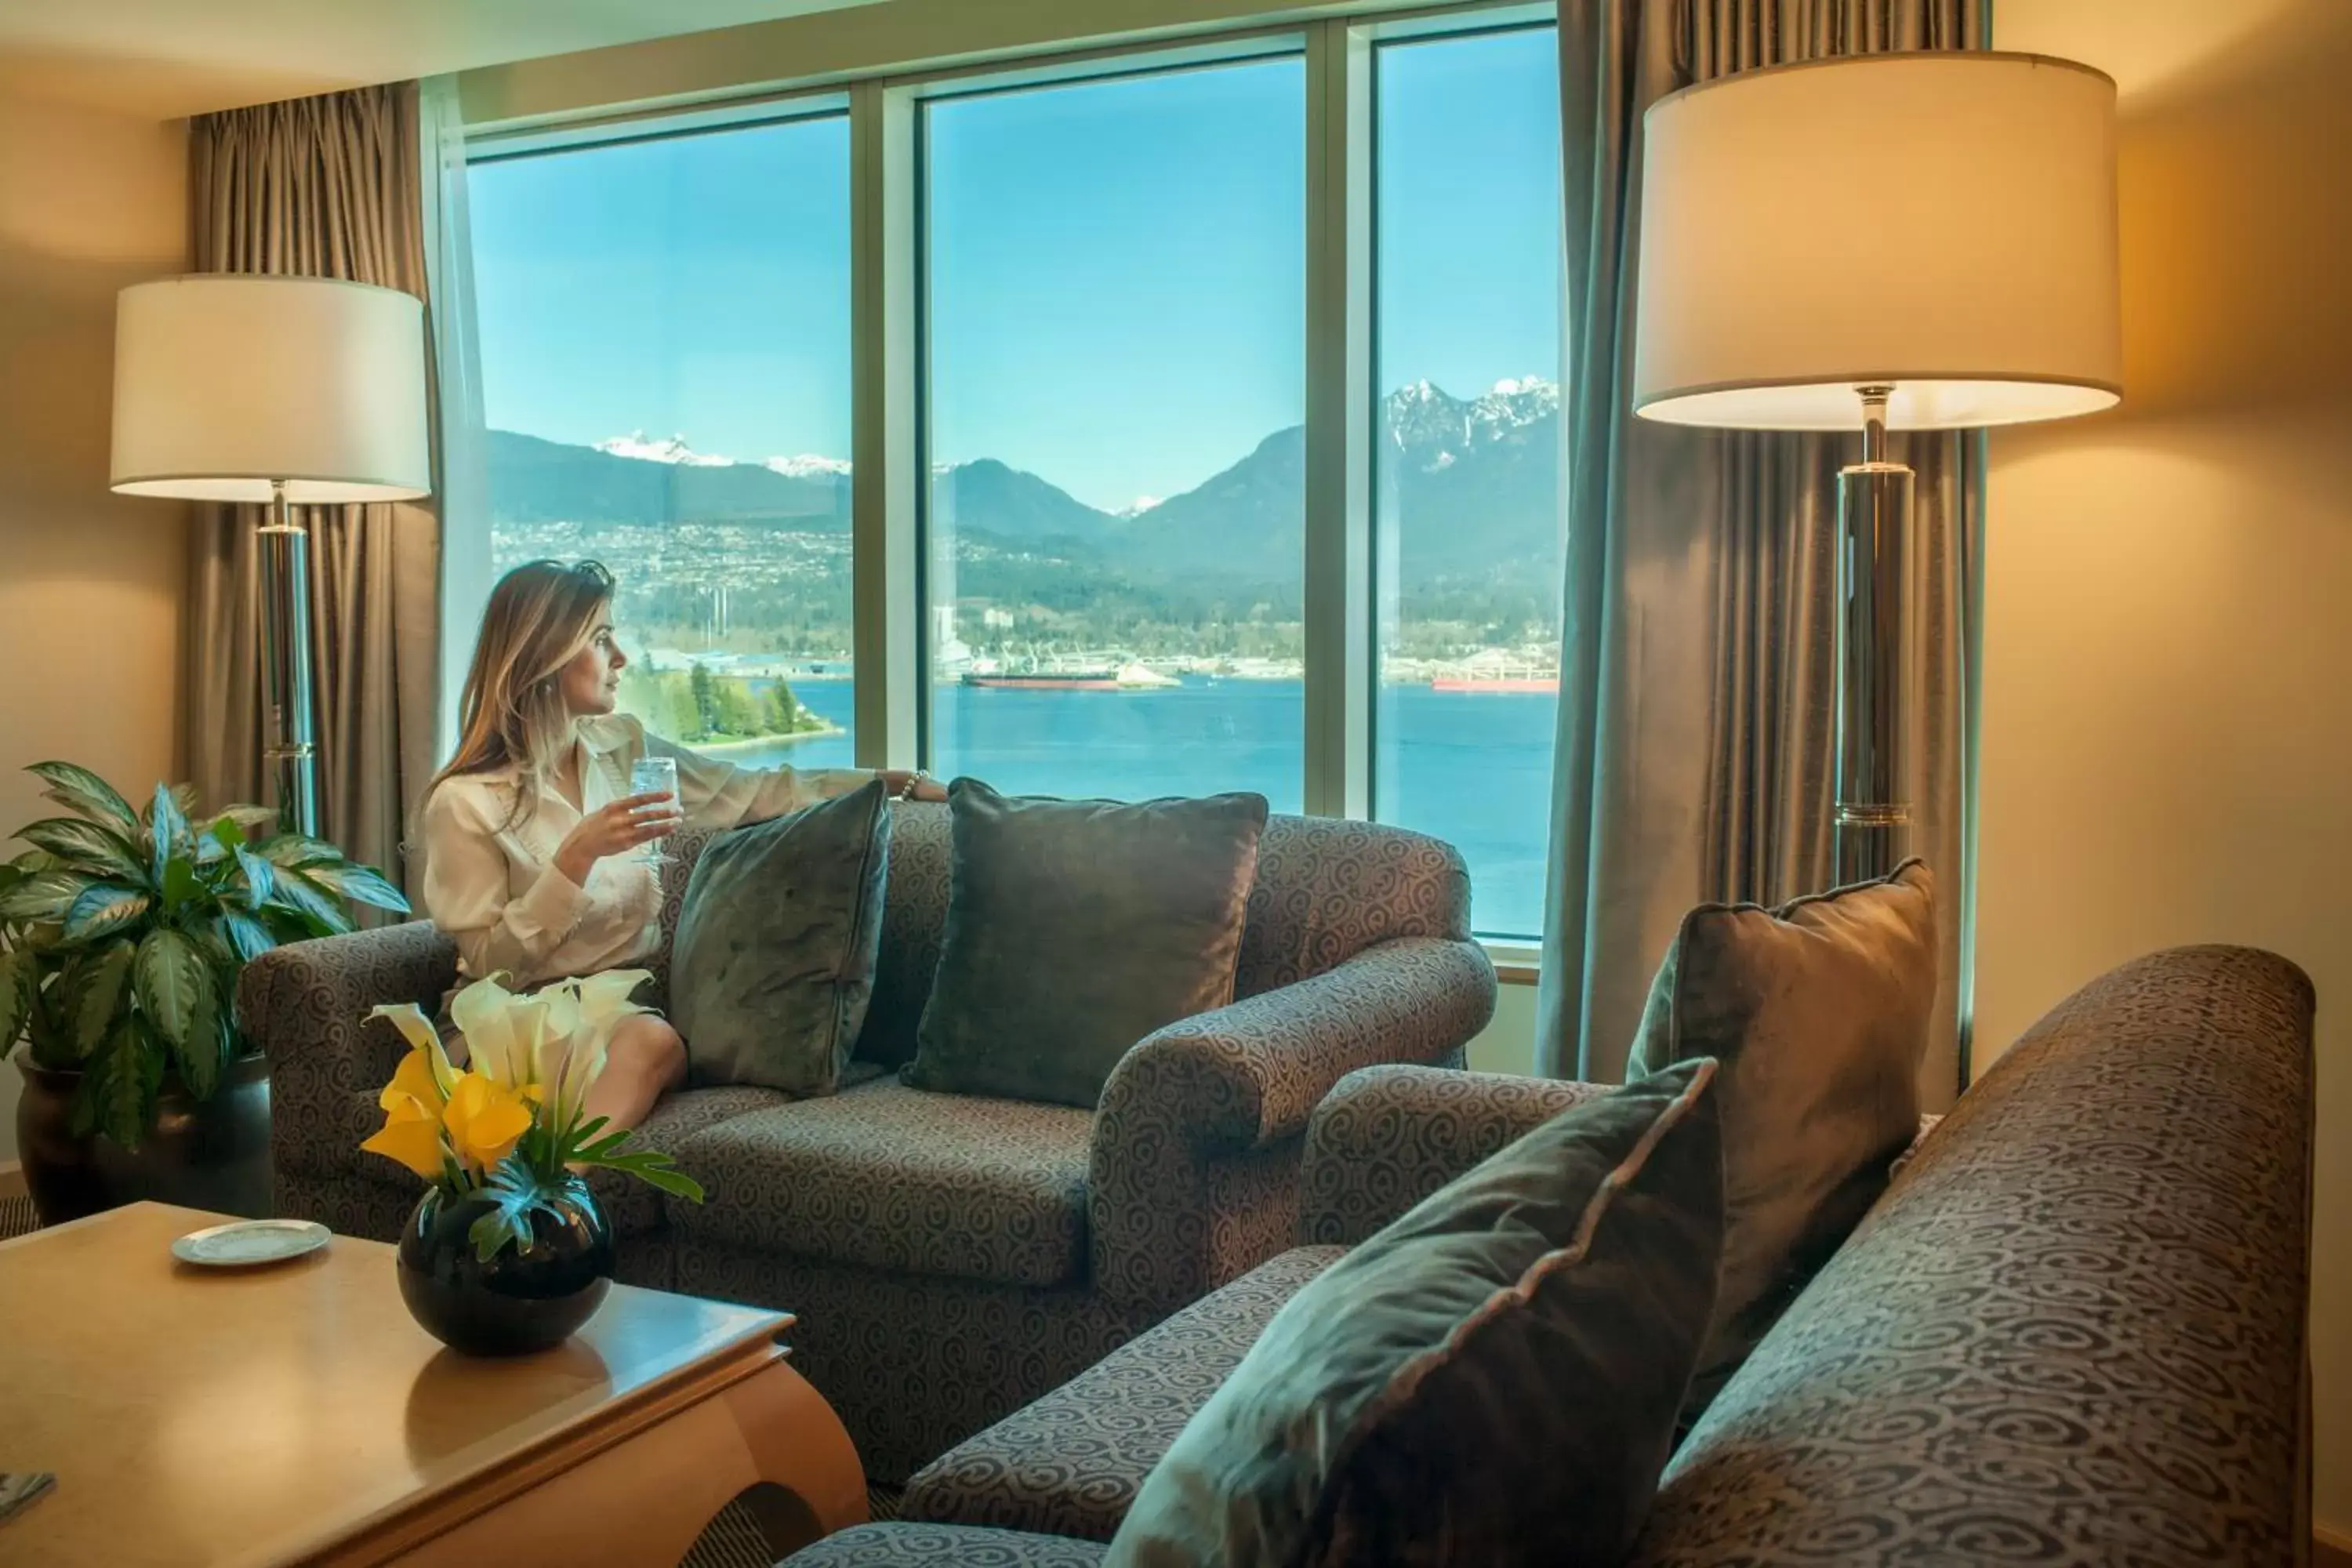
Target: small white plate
248, 1242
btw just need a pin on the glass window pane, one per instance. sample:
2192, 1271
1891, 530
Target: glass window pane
1114, 324
664, 335
1468, 556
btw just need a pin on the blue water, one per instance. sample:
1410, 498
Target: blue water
1473, 768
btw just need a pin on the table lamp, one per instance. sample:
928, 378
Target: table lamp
293, 391
1920, 241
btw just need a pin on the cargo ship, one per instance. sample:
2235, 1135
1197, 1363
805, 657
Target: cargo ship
1105, 677
1045, 681
1495, 683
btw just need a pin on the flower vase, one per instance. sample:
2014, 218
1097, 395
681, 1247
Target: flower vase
523, 1299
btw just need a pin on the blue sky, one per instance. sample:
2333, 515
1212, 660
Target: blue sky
1117, 269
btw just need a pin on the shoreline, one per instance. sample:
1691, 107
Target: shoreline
745, 743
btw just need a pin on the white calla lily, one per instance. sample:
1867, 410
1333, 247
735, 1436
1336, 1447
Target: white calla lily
531, 1020
483, 1013
418, 1031
603, 1001
560, 1023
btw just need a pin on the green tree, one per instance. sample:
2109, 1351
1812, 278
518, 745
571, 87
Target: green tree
784, 712
663, 702
733, 709
705, 689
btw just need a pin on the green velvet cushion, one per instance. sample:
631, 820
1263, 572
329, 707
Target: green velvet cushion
1492, 1379
1819, 1012
1075, 928
773, 962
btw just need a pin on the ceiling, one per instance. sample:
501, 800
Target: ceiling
167, 58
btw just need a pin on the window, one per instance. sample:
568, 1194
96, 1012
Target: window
1205, 394
1114, 329
1467, 553
666, 366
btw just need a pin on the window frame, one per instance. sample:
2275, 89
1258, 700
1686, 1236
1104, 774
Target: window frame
888, 343
1096, 68
1515, 953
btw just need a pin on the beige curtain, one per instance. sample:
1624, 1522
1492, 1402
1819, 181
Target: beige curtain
322, 187
1698, 706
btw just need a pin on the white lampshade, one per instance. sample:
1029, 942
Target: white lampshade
1943, 223
226, 383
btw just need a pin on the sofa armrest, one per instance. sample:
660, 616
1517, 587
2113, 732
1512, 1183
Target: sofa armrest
1202, 1118
1386, 1137
306, 1005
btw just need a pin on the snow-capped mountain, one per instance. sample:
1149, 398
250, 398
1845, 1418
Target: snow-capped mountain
807, 466
636, 445
1434, 430
672, 449
1472, 482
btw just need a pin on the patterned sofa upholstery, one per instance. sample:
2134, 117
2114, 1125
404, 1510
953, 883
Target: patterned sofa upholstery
2071, 1331
952, 1258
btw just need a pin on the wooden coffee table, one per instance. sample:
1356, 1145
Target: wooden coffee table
295, 1414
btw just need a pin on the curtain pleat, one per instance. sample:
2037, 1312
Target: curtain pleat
319, 187
1698, 720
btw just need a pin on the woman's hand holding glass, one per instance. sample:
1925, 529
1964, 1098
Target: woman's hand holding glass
616, 828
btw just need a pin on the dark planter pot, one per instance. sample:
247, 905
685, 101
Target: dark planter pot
523, 1299
201, 1154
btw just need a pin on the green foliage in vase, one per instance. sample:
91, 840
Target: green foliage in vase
122, 932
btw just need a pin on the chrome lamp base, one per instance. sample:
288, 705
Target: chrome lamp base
1873, 812
291, 750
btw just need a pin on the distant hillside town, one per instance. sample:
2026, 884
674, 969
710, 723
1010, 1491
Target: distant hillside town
743, 566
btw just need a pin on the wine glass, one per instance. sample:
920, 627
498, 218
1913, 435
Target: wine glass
654, 776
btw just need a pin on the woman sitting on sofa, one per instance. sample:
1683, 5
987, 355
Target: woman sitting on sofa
528, 831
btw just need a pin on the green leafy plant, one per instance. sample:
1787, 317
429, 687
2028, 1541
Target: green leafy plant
122, 932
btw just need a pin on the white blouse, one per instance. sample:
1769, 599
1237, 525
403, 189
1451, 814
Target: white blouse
496, 891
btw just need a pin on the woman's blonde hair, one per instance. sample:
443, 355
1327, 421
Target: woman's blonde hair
512, 714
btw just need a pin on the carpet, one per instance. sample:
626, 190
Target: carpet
734, 1540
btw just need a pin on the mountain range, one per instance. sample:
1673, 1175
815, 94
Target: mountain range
1472, 479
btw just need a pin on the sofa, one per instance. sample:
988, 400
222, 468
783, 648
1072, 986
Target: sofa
2071, 1330
952, 1258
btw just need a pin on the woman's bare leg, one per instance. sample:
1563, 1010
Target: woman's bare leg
645, 1061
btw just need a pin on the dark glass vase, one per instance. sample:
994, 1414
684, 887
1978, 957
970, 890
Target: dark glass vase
199, 1153
524, 1299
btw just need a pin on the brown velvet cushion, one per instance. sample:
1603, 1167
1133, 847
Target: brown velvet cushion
1492, 1379
1819, 1012
772, 964
1075, 928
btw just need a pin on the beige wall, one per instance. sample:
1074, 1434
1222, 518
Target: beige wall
1507, 1044
2168, 708
89, 582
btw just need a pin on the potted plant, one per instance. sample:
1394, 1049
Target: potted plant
507, 1252
122, 935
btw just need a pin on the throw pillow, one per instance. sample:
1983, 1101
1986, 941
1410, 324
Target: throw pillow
1819, 1012
773, 962
1074, 928
1493, 1378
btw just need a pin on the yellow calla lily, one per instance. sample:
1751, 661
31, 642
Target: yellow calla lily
416, 1078
418, 1031
485, 1120
411, 1134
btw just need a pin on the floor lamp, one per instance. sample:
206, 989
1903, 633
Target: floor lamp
1920, 241
288, 391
